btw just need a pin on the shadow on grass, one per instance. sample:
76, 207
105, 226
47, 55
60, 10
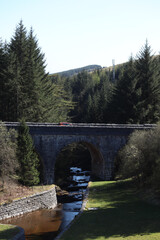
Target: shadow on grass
8, 233
120, 213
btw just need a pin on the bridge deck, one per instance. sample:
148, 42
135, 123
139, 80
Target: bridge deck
95, 129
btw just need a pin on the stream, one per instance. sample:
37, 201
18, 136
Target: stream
46, 224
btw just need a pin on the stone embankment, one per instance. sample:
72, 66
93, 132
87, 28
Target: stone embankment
46, 199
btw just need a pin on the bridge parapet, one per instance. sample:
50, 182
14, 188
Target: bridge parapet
91, 125
82, 129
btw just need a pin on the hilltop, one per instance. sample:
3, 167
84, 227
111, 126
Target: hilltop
71, 72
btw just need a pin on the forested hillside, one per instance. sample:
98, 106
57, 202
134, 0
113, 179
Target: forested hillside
75, 71
28, 91
132, 97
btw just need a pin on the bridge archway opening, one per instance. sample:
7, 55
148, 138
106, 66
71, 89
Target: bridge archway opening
83, 155
72, 155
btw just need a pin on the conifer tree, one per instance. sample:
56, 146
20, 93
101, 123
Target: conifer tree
16, 73
3, 79
148, 86
79, 88
35, 76
124, 100
106, 88
27, 157
60, 102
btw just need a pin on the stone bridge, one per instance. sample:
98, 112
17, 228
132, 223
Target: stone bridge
102, 140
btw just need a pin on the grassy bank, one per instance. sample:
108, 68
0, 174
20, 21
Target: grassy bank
115, 212
7, 231
15, 191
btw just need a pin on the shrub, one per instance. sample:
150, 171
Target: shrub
140, 158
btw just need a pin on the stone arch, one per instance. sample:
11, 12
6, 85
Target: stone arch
102, 149
97, 160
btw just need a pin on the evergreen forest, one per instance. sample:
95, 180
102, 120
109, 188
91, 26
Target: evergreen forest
130, 94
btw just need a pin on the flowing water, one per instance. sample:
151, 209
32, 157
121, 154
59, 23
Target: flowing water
46, 224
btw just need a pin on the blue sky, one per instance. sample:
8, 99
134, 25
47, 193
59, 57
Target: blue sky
76, 33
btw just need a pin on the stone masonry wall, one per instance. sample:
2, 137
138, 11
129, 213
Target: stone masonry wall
45, 199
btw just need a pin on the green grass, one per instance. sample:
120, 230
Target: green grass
120, 214
7, 231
